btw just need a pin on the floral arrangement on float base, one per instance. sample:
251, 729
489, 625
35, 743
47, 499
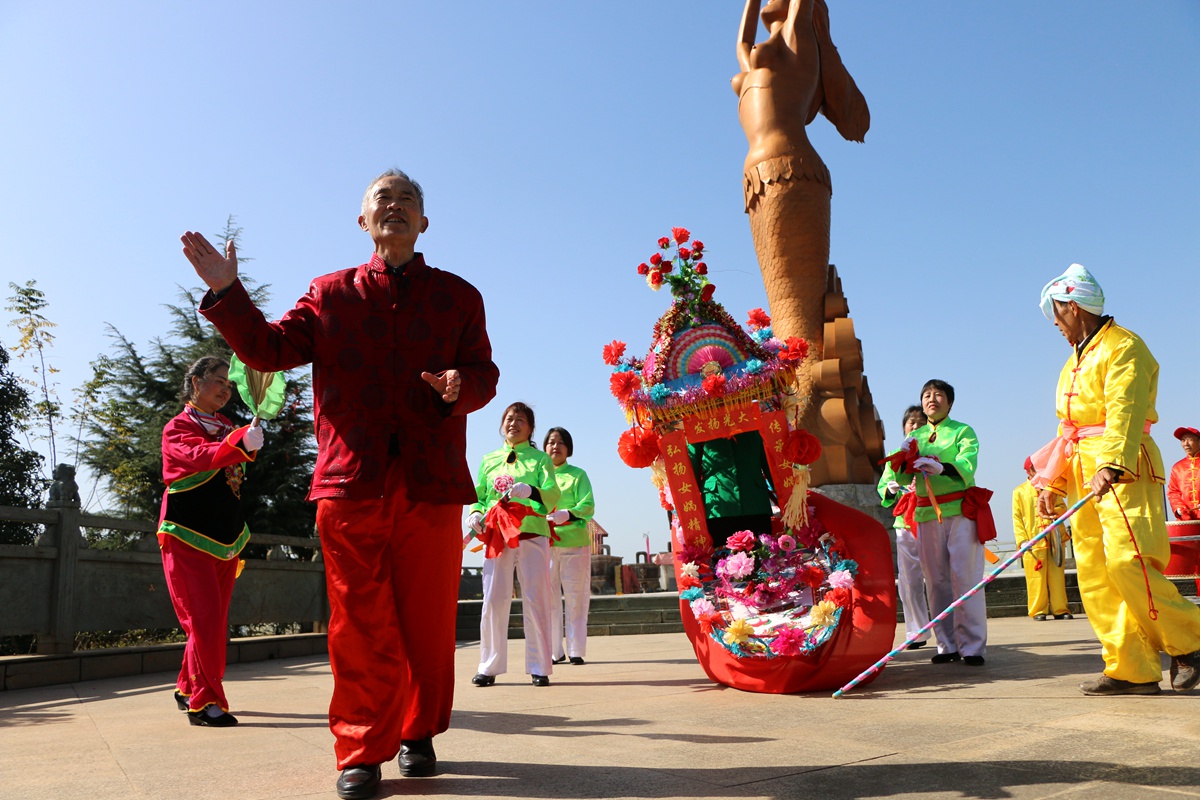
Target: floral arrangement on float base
763, 596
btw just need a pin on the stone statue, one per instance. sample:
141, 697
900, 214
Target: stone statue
785, 80
64, 492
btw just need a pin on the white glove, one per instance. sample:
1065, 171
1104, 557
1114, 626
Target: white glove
559, 517
475, 522
521, 491
893, 487
908, 440
930, 466
253, 438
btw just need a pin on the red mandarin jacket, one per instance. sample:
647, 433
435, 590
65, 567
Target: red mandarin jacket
369, 334
1183, 488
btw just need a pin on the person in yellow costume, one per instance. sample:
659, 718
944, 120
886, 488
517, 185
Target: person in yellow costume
1106, 405
1045, 581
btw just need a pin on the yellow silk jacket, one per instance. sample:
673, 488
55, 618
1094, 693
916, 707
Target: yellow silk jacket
1113, 383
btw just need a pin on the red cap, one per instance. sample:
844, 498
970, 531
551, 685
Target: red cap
1029, 463
1181, 432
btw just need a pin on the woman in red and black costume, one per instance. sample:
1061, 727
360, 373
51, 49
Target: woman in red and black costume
202, 531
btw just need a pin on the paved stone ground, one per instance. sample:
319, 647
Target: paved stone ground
640, 720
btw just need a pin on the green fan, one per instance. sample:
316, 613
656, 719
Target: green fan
263, 392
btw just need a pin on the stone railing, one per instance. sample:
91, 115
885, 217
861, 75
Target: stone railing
60, 587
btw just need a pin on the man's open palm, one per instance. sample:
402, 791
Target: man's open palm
216, 270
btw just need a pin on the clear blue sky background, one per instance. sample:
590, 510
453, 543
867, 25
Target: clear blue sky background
557, 141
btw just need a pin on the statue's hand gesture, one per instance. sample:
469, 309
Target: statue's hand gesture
216, 270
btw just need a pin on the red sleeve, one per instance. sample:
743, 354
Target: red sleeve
1175, 486
473, 359
186, 450
262, 345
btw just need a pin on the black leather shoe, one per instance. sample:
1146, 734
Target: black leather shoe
358, 783
560, 660
202, 718
577, 660
1040, 617
945, 658
417, 759
973, 661
541, 680
917, 645
1064, 616
181, 702
483, 680
1185, 672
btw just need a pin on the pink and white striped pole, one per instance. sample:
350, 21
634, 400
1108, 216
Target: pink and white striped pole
991, 576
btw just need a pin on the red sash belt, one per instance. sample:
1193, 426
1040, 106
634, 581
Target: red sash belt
975, 506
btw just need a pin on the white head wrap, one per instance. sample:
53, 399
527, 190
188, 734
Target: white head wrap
1075, 284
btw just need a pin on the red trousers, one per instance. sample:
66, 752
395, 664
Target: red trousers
200, 587
392, 567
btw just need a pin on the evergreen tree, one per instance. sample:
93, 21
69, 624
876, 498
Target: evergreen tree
20, 468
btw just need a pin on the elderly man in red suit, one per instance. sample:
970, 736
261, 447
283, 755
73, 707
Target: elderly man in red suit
1183, 488
400, 356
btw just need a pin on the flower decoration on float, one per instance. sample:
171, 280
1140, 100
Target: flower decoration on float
768, 595
760, 596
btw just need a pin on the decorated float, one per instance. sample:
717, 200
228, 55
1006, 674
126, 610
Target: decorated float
804, 606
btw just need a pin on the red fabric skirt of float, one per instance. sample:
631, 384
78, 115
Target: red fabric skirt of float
859, 640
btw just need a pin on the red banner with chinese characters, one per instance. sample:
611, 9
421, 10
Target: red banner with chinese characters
723, 423
774, 432
685, 491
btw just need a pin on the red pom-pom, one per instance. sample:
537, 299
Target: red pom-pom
759, 319
680, 235
613, 353
638, 447
840, 596
706, 293
795, 350
714, 385
623, 384
801, 447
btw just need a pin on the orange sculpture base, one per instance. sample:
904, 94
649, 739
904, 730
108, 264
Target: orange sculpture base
862, 637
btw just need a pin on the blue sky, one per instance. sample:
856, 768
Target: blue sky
557, 141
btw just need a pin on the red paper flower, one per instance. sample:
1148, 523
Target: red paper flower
840, 596
638, 447
759, 319
643, 268
742, 540
801, 447
708, 621
680, 235
702, 268
623, 384
684, 253
706, 293
697, 246
656, 277
613, 353
656, 259
664, 243
714, 385
666, 267
687, 582
795, 350
813, 576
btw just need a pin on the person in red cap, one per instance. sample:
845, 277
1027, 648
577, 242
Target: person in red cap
1183, 488
1045, 581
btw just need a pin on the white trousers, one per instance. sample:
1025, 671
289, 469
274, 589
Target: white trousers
531, 561
952, 560
570, 577
911, 582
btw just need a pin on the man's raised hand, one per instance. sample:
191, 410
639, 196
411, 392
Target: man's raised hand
216, 270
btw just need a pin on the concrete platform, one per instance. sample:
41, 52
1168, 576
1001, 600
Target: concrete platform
640, 720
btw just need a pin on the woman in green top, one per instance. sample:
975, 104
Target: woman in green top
532, 476
571, 551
